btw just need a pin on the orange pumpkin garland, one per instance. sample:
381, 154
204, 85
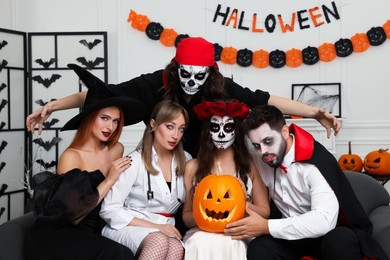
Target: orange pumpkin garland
386, 27
327, 52
260, 58
168, 37
294, 58
229, 55
360, 42
138, 21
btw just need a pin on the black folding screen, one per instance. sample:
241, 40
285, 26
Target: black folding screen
26, 85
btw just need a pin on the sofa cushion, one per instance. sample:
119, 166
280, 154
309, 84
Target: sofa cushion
369, 192
381, 227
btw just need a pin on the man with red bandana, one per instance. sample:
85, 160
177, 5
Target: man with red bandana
320, 214
190, 77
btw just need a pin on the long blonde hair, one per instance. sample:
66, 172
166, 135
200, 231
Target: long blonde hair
163, 112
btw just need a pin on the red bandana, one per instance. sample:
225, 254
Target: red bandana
195, 51
207, 109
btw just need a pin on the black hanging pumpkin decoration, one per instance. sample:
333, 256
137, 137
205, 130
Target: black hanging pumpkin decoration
180, 37
277, 59
244, 57
376, 36
153, 30
217, 51
310, 55
344, 47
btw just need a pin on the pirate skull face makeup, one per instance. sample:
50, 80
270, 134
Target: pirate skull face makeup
192, 78
222, 131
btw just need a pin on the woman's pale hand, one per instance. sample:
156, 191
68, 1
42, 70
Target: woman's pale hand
38, 117
328, 121
118, 166
169, 230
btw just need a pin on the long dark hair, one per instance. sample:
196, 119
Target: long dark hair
207, 147
213, 88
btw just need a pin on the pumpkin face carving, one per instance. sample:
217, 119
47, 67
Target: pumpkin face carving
218, 200
377, 162
350, 162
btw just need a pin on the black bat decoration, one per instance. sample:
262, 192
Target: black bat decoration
46, 81
45, 164
3, 188
2, 44
90, 45
42, 103
2, 86
3, 64
2, 210
49, 124
3, 145
3, 104
2, 124
45, 64
47, 145
2, 165
90, 64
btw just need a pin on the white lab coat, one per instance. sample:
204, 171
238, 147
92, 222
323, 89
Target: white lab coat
127, 199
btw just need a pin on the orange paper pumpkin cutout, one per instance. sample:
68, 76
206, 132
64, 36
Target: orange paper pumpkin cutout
138, 21
360, 42
294, 58
327, 52
229, 55
260, 58
218, 200
386, 27
168, 37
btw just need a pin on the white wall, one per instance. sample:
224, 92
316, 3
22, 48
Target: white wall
364, 76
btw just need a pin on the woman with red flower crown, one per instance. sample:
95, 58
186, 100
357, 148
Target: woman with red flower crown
222, 146
190, 77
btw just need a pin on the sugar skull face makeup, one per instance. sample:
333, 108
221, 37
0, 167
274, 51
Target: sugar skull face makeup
192, 78
222, 131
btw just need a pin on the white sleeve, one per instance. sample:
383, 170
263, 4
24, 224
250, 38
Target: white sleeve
318, 221
113, 210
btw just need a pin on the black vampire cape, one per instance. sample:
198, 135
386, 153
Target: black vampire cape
351, 213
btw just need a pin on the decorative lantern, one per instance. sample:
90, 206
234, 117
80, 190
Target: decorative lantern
327, 52
360, 42
168, 37
310, 55
218, 200
350, 162
229, 55
277, 59
260, 59
153, 30
294, 58
376, 36
377, 162
244, 57
344, 47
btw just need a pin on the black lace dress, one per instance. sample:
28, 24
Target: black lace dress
59, 201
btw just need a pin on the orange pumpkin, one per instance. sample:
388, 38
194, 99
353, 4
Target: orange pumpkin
229, 55
350, 161
168, 37
260, 58
327, 52
377, 162
138, 21
294, 58
386, 27
360, 42
218, 200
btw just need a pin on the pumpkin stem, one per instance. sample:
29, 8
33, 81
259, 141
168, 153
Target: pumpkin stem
383, 150
219, 169
349, 148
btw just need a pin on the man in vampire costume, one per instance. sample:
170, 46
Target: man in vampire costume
320, 214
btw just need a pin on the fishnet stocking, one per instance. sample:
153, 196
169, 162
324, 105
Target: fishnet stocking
157, 246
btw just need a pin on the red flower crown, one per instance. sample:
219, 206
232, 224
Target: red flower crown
206, 109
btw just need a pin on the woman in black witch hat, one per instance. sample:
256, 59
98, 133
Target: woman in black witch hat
67, 204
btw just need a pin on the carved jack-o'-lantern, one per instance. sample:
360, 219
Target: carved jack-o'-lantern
294, 58
377, 162
360, 42
260, 58
218, 200
350, 161
344, 47
327, 52
244, 57
376, 36
217, 51
310, 55
277, 59
229, 55
168, 37
153, 30
386, 28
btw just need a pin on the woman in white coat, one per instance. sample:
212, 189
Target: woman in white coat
139, 208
